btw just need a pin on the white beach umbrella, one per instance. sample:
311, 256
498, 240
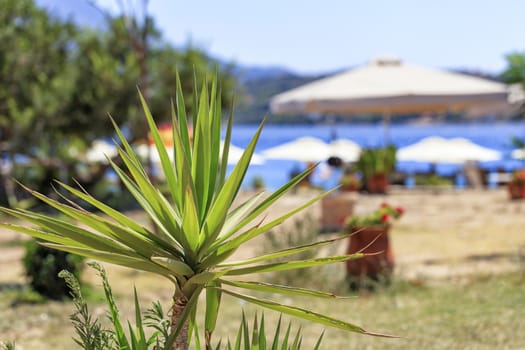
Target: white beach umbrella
234, 154
143, 151
99, 150
436, 149
305, 149
518, 153
389, 87
345, 149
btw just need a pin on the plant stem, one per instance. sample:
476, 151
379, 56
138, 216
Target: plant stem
179, 304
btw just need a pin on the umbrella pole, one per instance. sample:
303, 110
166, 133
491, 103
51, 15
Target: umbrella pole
386, 125
333, 130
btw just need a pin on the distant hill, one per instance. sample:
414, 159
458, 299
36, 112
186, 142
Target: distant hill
247, 73
258, 85
478, 74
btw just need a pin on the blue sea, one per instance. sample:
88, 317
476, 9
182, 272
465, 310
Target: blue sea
275, 173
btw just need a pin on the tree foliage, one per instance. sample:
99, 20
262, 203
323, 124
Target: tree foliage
515, 71
60, 81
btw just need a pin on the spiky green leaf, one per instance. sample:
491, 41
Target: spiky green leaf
302, 313
291, 265
279, 289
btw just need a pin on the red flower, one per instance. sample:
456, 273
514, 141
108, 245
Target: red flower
385, 218
400, 210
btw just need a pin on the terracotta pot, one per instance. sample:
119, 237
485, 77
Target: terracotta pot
377, 267
334, 210
516, 190
349, 188
378, 183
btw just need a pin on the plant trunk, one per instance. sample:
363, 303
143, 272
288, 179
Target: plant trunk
179, 304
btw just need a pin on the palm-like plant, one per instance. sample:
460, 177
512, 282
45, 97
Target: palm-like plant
197, 226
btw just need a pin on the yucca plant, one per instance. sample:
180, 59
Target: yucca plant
197, 225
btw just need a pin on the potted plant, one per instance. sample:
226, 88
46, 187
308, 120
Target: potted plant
375, 164
516, 185
370, 235
258, 183
349, 182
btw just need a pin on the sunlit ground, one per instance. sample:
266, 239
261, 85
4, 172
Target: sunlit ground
460, 283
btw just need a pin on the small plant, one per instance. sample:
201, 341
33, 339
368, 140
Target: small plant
350, 182
516, 185
374, 161
89, 331
518, 177
91, 335
259, 340
258, 182
370, 236
42, 265
8, 345
383, 216
433, 180
28, 296
301, 233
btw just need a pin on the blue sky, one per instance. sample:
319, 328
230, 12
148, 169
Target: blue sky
325, 35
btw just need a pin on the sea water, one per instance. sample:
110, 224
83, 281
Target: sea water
497, 135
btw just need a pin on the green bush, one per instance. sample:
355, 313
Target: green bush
42, 265
7, 345
433, 180
301, 233
377, 161
257, 183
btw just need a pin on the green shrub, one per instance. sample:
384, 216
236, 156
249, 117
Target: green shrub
302, 233
42, 265
376, 161
7, 345
257, 182
433, 180
26, 296
259, 339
